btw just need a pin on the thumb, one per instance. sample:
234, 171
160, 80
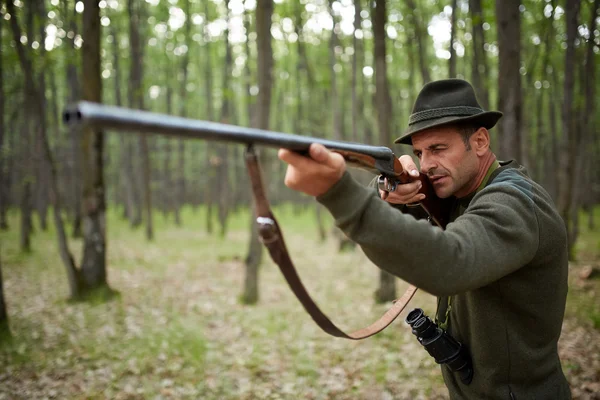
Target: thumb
408, 165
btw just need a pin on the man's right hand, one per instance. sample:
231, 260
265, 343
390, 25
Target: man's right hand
405, 193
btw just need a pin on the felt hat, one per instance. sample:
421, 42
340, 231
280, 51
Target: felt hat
443, 102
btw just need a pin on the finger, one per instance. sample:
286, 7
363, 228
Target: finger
408, 165
292, 158
383, 194
323, 155
404, 200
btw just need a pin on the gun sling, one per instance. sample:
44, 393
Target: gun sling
271, 236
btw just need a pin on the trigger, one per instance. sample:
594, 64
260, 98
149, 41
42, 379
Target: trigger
387, 185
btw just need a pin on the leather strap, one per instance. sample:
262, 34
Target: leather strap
272, 238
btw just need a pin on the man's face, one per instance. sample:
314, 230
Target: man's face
444, 158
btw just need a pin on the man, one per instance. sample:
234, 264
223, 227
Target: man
499, 268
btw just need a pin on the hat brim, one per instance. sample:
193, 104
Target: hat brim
487, 119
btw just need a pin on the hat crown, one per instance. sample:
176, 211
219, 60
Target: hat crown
444, 94
447, 101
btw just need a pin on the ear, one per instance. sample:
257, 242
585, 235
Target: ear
480, 141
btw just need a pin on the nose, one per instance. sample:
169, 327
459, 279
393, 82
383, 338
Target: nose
427, 164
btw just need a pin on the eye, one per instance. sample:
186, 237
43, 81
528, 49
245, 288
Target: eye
418, 154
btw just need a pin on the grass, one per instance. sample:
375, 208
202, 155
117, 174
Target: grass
176, 329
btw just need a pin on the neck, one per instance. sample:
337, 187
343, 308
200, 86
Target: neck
485, 163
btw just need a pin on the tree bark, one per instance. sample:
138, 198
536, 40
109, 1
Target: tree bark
569, 140
73, 94
264, 12
509, 79
418, 24
583, 131
479, 74
452, 60
357, 105
41, 195
4, 327
179, 201
222, 160
3, 150
336, 122
387, 282
136, 74
208, 190
93, 265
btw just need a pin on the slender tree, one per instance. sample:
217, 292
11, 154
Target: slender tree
135, 10
3, 152
264, 12
420, 36
4, 327
222, 150
452, 60
73, 94
568, 141
479, 66
509, 78
93, 265
387, 282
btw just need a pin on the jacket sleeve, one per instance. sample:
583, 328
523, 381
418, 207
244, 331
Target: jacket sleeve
497, 235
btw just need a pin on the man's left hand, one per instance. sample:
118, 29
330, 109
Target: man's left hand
313, 175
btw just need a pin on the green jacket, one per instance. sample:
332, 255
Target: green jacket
502, 261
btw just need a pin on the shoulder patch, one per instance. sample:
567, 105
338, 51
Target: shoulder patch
513, 178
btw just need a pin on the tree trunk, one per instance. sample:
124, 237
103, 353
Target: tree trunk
179, 201
336, 133
357, 106
26, 222
41, 198
222, 165
208, 190
420, 36
452, 60
73, 94
387, 285
509, 79
264, 12
135, 12
93, 265
583, 131
547, 126
9, 159
4, 327
3, 152
479, 75
167, 199
569, 140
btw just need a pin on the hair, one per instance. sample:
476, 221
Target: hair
466, 130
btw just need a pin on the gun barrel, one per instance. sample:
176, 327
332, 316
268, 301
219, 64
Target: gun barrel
124, 119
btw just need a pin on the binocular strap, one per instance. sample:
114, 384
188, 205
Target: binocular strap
271, 236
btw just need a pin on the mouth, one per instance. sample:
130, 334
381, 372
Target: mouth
437, 179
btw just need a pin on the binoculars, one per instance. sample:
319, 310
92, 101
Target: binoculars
440, 345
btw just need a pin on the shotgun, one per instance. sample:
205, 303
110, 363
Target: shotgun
376, 159
379, 160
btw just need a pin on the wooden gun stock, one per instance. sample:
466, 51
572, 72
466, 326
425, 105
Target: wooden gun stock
437, 210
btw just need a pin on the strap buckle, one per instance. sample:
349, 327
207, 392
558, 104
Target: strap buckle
267, 230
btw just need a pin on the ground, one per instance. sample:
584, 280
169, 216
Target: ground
176, 329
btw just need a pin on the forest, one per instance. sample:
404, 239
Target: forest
130, 265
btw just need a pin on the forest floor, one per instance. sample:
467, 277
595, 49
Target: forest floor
176, 329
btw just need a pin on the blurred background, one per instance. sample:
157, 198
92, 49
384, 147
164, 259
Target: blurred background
129, 265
